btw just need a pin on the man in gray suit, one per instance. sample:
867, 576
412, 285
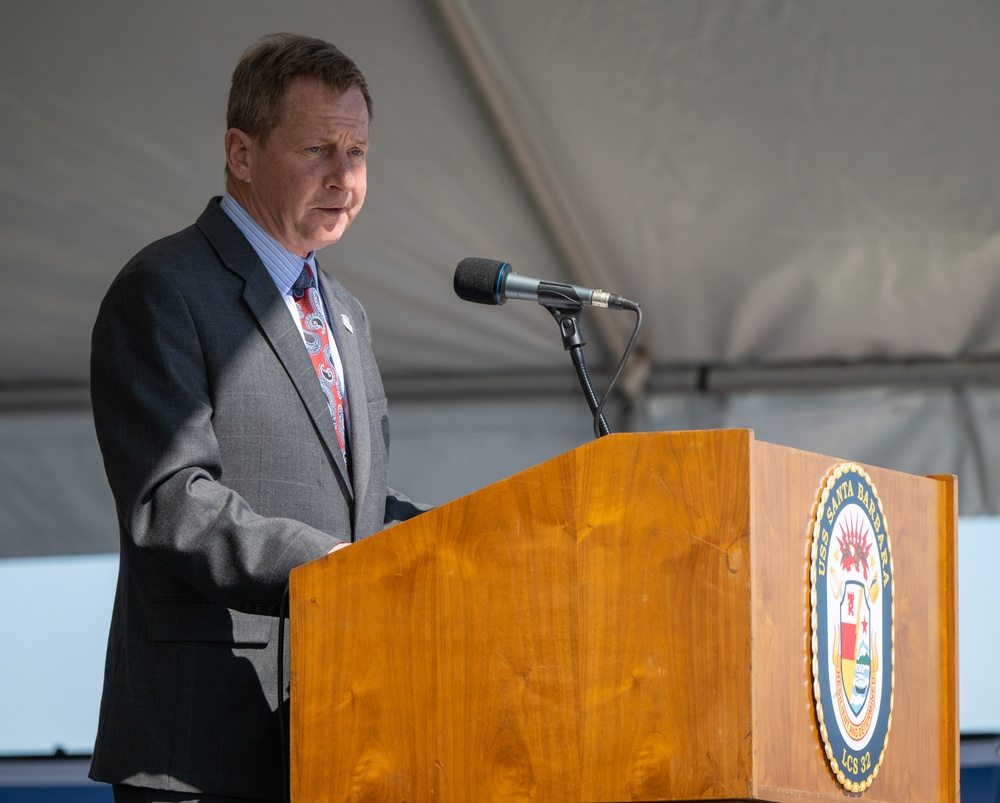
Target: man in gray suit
243, 434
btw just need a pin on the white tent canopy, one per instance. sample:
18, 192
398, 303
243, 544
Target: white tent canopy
803, 197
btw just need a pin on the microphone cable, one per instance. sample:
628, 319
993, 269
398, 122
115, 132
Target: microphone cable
599, 411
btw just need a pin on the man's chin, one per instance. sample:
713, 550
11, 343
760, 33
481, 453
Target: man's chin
321, 244
321, 239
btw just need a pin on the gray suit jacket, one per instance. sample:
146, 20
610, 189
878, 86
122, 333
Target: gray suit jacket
223, 461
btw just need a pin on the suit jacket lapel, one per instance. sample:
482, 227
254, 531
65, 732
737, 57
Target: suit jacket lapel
357, 397
267, 306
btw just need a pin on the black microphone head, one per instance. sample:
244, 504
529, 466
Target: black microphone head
478, 280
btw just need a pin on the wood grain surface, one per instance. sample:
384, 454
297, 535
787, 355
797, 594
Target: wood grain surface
628, 621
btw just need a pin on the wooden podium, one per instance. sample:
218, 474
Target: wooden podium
629, 621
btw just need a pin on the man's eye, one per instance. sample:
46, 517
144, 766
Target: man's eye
314, 149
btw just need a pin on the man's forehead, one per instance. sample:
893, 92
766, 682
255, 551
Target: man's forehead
319, 106
314, 89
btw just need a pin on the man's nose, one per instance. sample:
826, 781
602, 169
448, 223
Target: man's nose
340, 171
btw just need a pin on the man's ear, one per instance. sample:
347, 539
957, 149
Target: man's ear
239, 147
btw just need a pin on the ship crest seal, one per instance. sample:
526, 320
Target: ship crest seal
851, 599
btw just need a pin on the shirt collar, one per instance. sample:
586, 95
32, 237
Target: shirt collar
282, 265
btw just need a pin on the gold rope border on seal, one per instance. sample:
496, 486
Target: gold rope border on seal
815, 528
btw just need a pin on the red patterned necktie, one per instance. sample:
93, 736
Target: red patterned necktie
317, 339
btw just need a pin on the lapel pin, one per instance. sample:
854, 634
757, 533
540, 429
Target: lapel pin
347, 323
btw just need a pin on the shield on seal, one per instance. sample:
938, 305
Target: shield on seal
855, 645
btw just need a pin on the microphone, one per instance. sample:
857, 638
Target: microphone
490, 281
